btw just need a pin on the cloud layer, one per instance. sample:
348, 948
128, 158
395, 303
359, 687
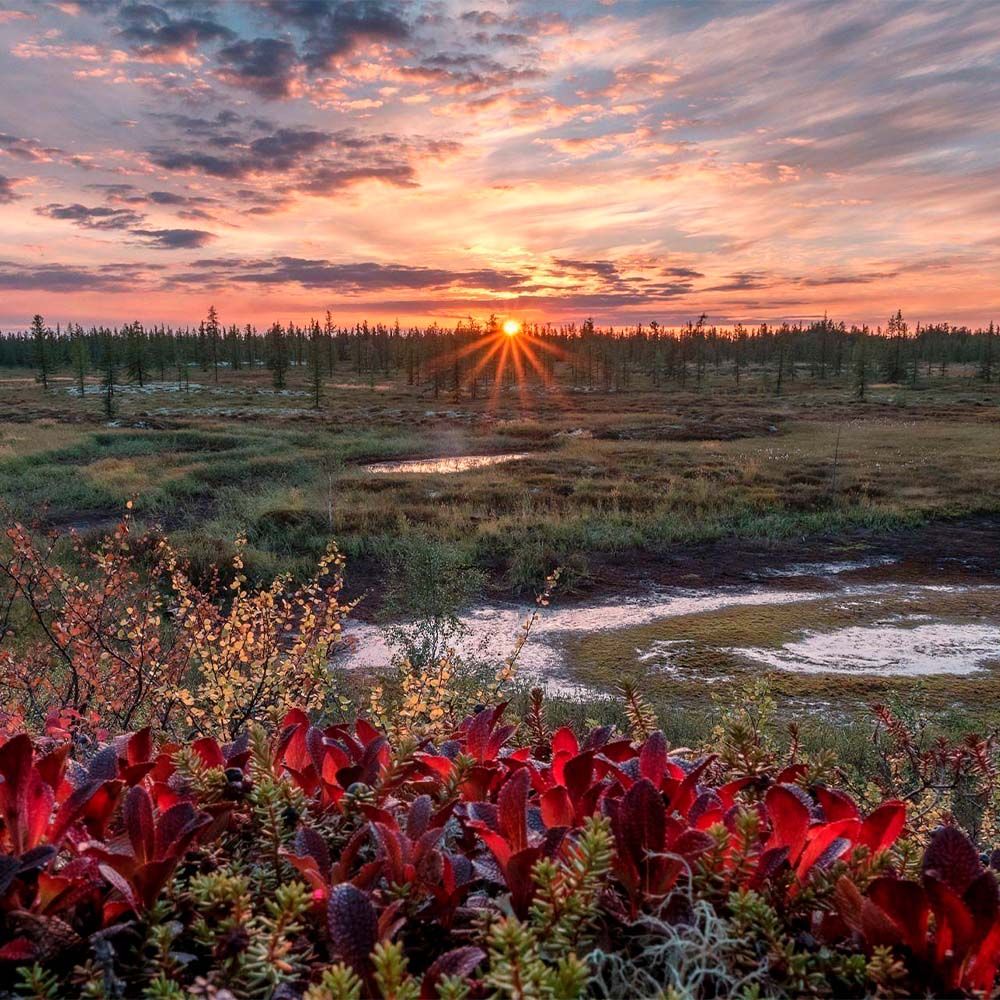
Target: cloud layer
630, 160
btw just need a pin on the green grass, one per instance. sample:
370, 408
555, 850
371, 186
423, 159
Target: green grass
651, 470
705, 662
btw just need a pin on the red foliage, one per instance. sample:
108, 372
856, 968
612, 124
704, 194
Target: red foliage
472, 812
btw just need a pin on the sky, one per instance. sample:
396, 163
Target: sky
627, 160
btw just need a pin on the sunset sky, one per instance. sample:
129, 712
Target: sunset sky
625, 159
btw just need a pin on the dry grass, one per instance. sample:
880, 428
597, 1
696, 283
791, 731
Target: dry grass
609, 474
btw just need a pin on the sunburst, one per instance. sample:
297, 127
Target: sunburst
515, 355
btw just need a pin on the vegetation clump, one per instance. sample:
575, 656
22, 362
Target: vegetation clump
243, 845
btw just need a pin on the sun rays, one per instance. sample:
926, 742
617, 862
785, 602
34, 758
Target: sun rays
509, 355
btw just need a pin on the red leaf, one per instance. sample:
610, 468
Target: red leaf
100, 807
458, 962
642, 823
353, 925
789, 818
512, 806
564, 741
18, 950
791, 774
477, 738
52, 766
728, 792
518, 874
557, 809
880, 830
209, 751
149, 879
577, 773
72, 809
683, 798
138, 816
982, 899
366, 731
820, 839
122, 885
954, 930
836, 804
951, 858
15, 789
419, 816
653, 758
139, 749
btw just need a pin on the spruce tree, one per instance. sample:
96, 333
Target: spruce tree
861, 365
43, 349
136, 361
316, 364
212, 333
986, 363
109, 374
277, 355
79, 358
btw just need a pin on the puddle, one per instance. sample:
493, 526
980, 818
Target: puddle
826, 568
458, 463
898, 647
495, 627
891, 628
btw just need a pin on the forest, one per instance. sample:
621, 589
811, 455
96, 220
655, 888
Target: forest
460, 361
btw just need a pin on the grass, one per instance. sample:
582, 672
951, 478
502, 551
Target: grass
705, 658
610, 475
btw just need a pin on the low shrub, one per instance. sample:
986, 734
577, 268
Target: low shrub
175, 820
500, 860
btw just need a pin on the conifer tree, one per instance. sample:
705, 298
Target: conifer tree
136, 362
277, 355
43, 350
79, 358
316, 364
109, 374
861, 365
212, 334
986, 364
897, 332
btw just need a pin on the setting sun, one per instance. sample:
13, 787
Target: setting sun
511, 327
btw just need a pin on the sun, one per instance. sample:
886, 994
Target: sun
511, 327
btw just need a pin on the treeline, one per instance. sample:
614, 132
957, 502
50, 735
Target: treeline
469, 357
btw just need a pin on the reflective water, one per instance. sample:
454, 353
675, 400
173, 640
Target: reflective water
456, 463
863, 638
903, 646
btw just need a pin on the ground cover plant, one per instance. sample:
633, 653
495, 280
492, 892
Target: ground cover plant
270, 836
495, 859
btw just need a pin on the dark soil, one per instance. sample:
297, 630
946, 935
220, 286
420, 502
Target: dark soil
944, 551
958, 551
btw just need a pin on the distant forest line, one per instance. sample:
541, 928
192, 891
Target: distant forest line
471, 355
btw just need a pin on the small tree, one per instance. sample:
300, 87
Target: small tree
861, 365
277, 355
41, 337
136, 354
213, 332
781, 369
109, 374
316, 364
79, 358
898, 331
986, 364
